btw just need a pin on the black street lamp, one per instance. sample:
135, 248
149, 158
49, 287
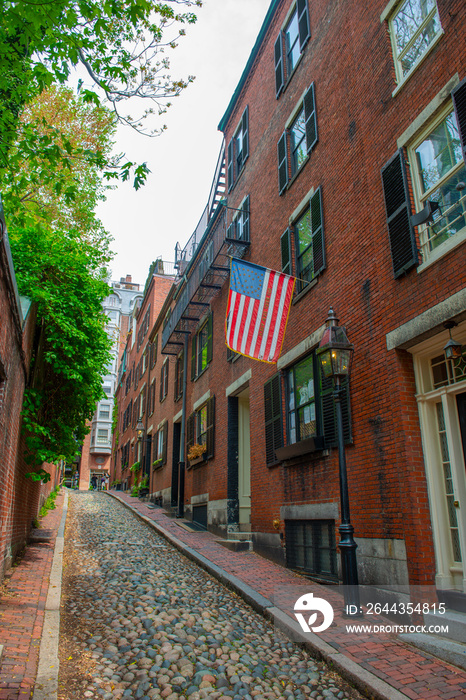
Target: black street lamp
336, 354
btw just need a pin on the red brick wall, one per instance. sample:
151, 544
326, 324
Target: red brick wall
20, 498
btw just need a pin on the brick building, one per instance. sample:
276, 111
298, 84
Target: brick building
344, 126
119, 307
20, 498
136, 386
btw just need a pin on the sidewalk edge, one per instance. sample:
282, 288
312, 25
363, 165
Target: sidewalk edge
364, 681
46, 685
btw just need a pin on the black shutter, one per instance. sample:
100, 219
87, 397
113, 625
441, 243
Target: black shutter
193, 357
329, 425
161, 382
282, 163
279, 77
231, 231
210, 339
165, 386
230, 165
303, 23
317, 227
245, 208
459, 103
398, 210
310, 118
285, 245
164, 442
245, 130
273, 418
210, 427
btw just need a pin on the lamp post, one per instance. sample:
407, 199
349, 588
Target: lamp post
336, 354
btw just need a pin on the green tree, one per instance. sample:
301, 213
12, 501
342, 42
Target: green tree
65, 277
120, 44
65, 193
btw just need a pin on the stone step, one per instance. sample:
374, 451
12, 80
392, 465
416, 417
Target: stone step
456, 622
452, 652
246, 536
235, 545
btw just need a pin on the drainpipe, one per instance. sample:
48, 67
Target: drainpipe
181, 463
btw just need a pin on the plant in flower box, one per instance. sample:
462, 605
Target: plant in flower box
136, 467
157, 462
196, 451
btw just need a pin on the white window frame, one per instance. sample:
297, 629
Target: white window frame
431, 256
389, 14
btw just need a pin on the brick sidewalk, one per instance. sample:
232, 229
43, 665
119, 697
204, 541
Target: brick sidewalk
417, 675
22, 604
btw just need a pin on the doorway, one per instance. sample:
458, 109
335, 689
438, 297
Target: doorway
244, 462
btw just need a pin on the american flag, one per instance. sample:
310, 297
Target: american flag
258, 306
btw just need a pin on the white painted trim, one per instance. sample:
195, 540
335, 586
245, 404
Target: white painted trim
443, 249
239, 383
299, 106
428, 112
178, 416
304, 203
301, 348
201, 401
406, 335
389, 9
161, 424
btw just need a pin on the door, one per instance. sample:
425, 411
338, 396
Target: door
244, 462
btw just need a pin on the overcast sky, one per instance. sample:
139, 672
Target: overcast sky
147, 224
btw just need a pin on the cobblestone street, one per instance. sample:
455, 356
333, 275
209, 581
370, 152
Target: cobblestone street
139, 620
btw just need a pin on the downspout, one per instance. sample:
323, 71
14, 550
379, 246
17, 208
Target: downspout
181, 464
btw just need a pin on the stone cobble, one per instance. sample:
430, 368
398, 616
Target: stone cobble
157, 626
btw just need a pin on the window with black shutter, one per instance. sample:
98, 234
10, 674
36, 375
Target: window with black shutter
273, 418
309, 242
285, 246
459, 103
290, 44
202, 348
238, 150
298, 140
398, 210
200, 430
327, 407
164, 380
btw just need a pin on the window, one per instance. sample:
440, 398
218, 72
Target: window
161, 444
102, 436
200, 427
143, 328
311, 547
413, 28
151, 402
290, 44
301, 409
142, 402
306, 236
238, 230
202, 348
145, 360
309, 411
104, 410
298, 139
438, 169
153, 352
238, 150
107, 389
179, 375
164, 380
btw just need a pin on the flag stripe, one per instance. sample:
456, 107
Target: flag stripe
257, 311
284, 304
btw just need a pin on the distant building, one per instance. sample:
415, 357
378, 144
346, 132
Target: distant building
120, 307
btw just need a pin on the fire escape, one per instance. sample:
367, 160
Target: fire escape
202, 265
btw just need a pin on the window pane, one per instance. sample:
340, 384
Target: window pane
298, 143
439, 153
415, 26
303, 228
292, 42
304, 374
